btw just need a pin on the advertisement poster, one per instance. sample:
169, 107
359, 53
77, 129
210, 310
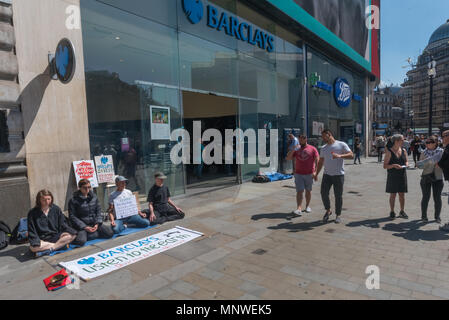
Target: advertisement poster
105, 169
124, 142
125, 207
160, 123
116, 258
85, 169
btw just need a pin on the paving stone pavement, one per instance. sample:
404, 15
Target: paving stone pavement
254, 248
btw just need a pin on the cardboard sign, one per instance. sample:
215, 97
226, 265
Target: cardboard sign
85, 169
125, 207
105, 169
113, 259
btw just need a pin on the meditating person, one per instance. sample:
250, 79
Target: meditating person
48, 229
161, 207
138, 220
85, 215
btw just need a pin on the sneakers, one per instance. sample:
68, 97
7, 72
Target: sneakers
424, 219
445, 228
297, 213
403, 215
326, 217
338, 220
307, 210
438, 220
392, 215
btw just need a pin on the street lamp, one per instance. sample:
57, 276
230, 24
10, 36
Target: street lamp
431, 72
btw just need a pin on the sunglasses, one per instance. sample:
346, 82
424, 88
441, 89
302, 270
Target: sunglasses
430, 142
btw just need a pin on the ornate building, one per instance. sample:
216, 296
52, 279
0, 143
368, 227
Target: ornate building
419, 82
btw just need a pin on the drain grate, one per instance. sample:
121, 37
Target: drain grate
259, 252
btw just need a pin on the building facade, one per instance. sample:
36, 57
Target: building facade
419, 83
147, 68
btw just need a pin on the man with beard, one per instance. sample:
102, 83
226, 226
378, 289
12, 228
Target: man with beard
306, 157
332, 157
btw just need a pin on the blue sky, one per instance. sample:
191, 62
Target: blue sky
406, 27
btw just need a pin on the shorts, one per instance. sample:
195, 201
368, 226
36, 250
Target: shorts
303, 182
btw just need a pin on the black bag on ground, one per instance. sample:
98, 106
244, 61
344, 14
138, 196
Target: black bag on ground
261, 179
5, 235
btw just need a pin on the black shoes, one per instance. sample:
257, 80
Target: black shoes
424, 219
326, 217
392, 215
403, 215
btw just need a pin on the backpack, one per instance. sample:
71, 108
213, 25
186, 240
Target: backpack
5, 235
20, 232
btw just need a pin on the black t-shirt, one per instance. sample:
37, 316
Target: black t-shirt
158, 196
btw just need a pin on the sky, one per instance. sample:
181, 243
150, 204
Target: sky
406, 27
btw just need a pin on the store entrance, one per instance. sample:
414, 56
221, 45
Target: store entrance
214, 112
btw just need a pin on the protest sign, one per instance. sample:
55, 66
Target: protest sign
125, 207
113, 259
85, 169
105, 169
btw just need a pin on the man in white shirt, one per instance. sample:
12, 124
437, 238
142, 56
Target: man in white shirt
332, 156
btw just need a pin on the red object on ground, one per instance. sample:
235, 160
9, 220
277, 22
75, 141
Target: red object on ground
57, 281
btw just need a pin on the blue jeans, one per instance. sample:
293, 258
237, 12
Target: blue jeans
136, 220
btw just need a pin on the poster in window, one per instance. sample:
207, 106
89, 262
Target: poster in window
160, 123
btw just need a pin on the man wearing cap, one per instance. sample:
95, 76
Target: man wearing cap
118, 225
161, 207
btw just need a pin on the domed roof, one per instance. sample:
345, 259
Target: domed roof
441, 33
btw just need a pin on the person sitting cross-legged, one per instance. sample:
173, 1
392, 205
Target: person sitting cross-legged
161, 207
138, 220
85, 215
48, 229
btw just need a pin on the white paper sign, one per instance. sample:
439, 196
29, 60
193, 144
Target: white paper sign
113, 259
85, 169
125, 207
317, 128
105, 169
160, 123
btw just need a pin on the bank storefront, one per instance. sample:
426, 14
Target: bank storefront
152, 67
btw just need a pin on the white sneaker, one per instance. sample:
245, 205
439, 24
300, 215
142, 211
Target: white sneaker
297, 213
308, 210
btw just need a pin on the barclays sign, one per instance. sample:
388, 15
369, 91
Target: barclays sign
342, 92
222, 21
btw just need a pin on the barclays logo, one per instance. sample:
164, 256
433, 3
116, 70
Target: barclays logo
342, 92
193, 9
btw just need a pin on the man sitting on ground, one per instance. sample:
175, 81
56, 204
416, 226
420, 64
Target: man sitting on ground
137, 220
161, 207
48, 230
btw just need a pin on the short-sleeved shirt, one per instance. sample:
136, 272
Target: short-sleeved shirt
119, 195
334, 167
158, 196
305, 160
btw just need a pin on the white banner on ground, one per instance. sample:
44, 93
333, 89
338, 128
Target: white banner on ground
125, 207
116, 258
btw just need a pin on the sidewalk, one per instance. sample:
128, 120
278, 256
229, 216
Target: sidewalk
254, 248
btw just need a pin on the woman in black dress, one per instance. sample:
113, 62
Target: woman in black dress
396, 162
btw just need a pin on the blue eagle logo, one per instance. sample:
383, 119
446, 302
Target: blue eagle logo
193, 9
90, 260
104, 160
62, 60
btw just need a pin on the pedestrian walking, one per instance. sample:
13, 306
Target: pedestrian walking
415, 145
306, 158
357, 150
396, 162
332, 158
431, 178
380, 145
